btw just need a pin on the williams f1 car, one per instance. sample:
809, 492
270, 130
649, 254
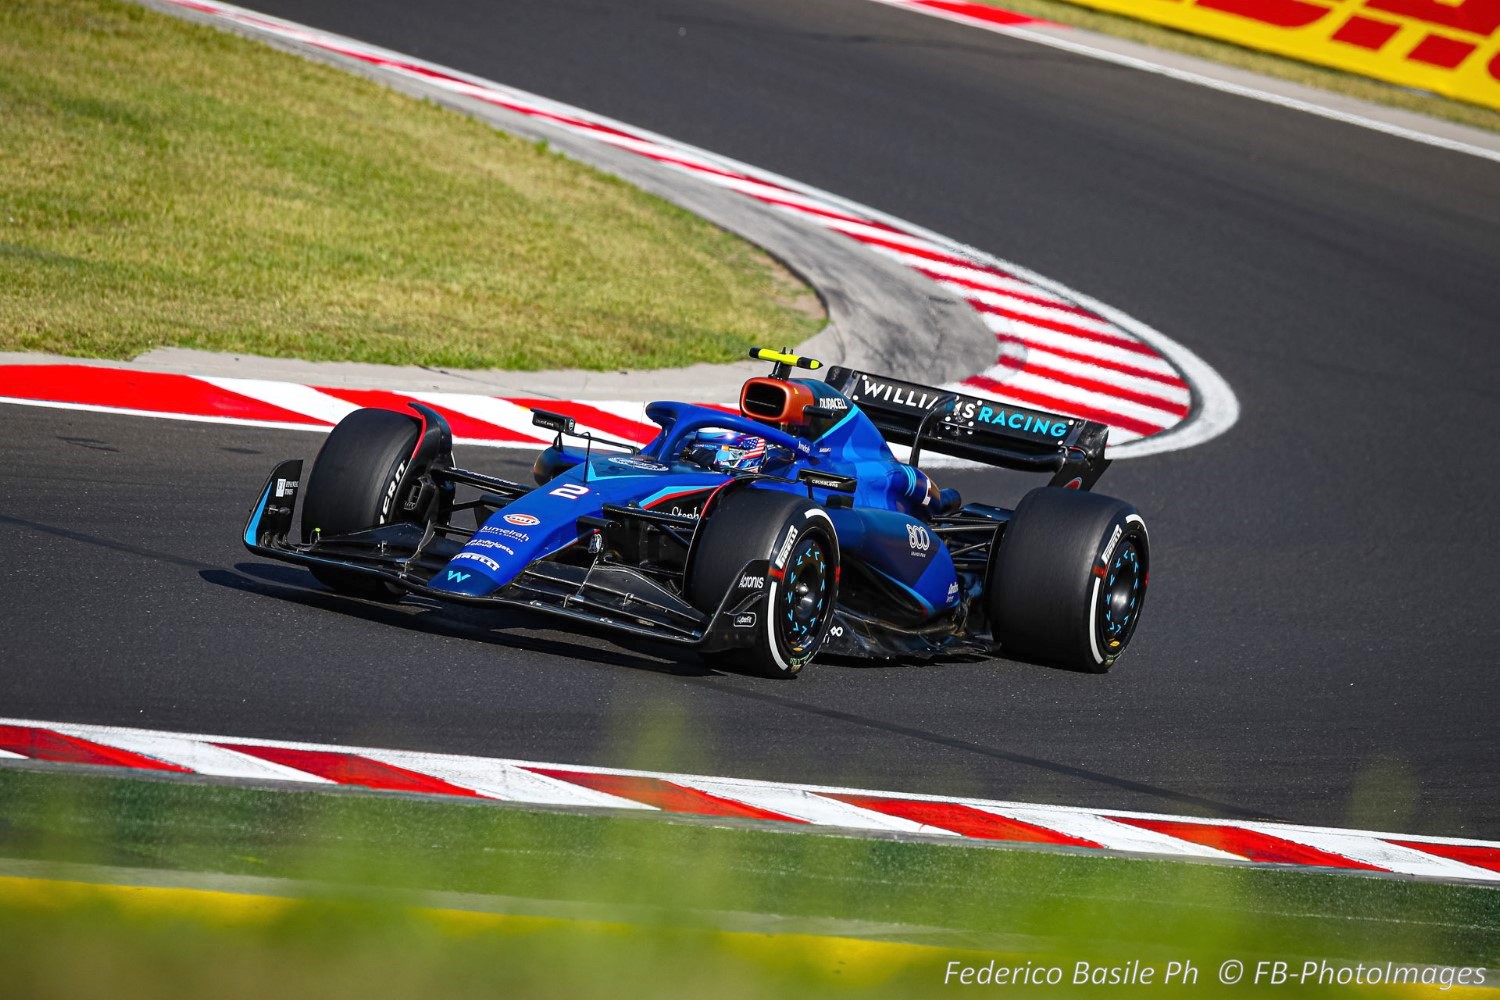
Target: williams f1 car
772, 535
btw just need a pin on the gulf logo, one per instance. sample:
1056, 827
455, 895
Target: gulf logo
525, 520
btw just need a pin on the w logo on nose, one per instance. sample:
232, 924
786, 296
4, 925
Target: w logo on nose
454, 576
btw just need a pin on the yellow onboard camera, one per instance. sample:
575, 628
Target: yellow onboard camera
784, 361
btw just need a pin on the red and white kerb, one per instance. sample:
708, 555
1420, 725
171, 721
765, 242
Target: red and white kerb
575, 786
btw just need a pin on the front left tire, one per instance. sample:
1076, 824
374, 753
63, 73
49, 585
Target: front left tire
797, 537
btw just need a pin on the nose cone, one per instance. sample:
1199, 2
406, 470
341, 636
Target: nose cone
463, 581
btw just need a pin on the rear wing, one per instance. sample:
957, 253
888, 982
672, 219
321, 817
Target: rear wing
982, 430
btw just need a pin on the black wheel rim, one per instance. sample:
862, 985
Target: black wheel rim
803, 603
1120, 595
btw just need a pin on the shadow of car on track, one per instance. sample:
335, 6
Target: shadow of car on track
289, 583
458, 622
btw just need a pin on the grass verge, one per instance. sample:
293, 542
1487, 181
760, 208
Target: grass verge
1020, 906
167, 184
1171, 40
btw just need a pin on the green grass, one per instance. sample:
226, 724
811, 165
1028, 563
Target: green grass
1080, 15
167, 184
325, 951
1046, 907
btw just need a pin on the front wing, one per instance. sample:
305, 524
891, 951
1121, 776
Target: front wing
407, 556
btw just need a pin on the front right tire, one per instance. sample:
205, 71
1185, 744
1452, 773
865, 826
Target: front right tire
353, 487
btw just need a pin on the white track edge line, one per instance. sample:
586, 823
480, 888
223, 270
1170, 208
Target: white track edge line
275, 425
1202, 80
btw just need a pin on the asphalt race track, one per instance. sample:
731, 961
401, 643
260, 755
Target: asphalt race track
1321, 641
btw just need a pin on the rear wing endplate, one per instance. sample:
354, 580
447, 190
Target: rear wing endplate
981, 430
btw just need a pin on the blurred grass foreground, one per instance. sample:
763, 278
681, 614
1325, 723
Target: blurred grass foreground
417, 897
168, 184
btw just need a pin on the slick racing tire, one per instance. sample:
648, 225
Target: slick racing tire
353, 487
1068, 582
798, 539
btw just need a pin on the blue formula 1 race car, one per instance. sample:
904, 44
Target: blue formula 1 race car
771, 535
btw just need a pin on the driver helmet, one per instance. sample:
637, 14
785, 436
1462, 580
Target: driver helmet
725, 451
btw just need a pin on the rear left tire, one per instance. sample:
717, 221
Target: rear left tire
1068, 581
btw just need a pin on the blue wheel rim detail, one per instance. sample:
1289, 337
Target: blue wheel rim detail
803, 604
1123, 587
